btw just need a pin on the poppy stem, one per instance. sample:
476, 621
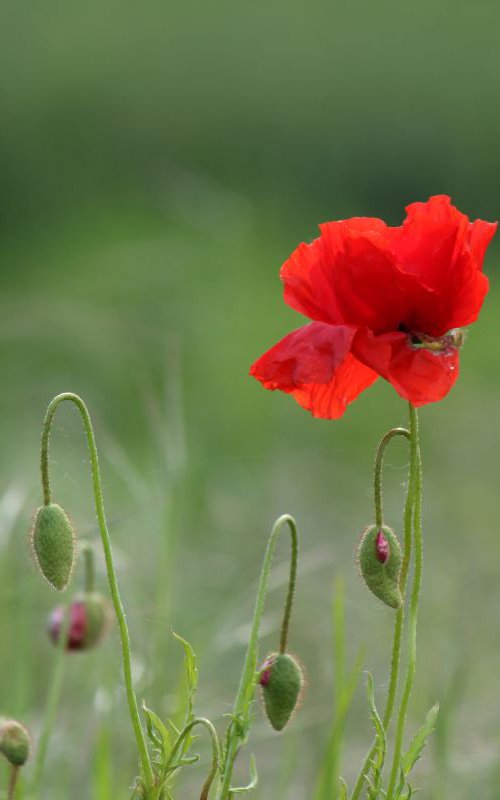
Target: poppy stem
108, 554
292, 580
14, 775
215, 751
379, 462
399, 620
240, 717
416, 470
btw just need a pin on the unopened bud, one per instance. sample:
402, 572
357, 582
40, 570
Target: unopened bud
89, 622
53, 542
382, 548
14, 741
379, 557
282, 681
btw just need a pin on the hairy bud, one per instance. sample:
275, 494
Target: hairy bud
89, 622
282, 681
14, 741
379, 558
53, 542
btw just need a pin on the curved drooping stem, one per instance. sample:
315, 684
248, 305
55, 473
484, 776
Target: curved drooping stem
377, 473
399, 620
416, 468
108, 554
215, 751
239, 724
398, 624
292, 580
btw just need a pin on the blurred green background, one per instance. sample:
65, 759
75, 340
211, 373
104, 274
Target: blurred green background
158, 162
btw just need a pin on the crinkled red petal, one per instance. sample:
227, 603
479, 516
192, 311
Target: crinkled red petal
440, 246
425, 275
308, 283
314, 364
367, 283
346, 276
417, 374
330, 400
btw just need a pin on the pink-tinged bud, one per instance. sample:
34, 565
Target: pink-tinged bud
282, 681
76, 629
382, 548
89, 622
379, 560
265, 672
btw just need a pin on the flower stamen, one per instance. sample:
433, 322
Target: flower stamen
439, 344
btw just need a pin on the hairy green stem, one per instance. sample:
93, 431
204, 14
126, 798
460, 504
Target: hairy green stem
292, 580
14, 775
405, 566
108, 554
399, 618
238, 727
215, 751
416, 467
379, 463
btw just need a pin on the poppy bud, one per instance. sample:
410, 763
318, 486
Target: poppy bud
14, 741
282, 680
53, 542
379, 558
89, 622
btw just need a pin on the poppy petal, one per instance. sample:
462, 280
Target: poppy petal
308, 284
314, 364
438, 245
417, 374
346, 275
330, 400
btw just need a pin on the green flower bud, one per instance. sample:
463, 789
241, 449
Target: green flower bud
379, 558
53, 544
282, 681
14, 741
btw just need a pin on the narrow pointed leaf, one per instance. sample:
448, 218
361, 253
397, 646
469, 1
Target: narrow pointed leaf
254, 779
419, 741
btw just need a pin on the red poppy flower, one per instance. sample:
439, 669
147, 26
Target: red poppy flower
384, 302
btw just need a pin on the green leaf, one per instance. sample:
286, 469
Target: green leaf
191, 672
174, 728
190, 664
174, 766
254, 779
158, 733
375, 716
374, 787
401, 785
343, 795
419, 741
188, 760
